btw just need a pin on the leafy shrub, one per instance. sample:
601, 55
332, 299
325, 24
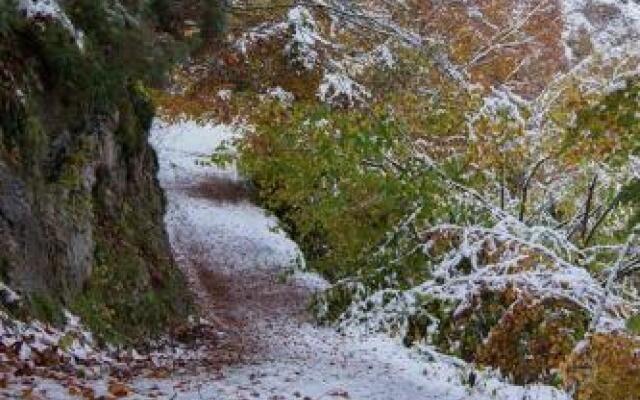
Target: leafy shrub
458, 333
319, 171
423, 325
524, 338
342, 182
606, 367
331, 305
532, 338
611, 127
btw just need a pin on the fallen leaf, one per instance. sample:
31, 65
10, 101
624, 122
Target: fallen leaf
119, 389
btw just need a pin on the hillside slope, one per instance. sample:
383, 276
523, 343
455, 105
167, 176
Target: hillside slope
80, 207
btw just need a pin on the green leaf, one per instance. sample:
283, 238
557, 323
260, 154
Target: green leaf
633, 324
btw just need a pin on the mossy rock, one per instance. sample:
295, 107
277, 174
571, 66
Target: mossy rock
135, 290
45, 308
124, 301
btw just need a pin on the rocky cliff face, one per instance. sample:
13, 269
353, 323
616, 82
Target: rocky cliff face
48, 210
81, 211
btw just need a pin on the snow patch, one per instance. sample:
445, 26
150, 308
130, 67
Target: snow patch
50, 9
279, 94
310, 280
185, 148
224, 94
611, 26
262, 32
304, 37
340, 90
7, 295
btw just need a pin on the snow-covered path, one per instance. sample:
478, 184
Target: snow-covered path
235, 257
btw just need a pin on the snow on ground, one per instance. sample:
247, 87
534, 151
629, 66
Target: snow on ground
334, 367
240, 234
42, 9
184, 150
294, 358
612, 26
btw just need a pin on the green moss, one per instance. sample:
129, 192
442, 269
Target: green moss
22, 134
4, 268
136, 115
633, 324
134, 292
7, 16
70, 177
124, 301
46, 308
143, 107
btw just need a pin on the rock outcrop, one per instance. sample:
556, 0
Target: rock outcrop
81, 211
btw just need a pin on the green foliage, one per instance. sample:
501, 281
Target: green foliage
7, 16
432, 312
213, 21
631, 196
330, 305
118, 49
612, 126
324, 174
633, 324
462, 335
137, 113
524, 338
609, 132
21, 134
45, 308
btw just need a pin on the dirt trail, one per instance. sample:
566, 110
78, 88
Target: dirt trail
231, 252
235, 259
